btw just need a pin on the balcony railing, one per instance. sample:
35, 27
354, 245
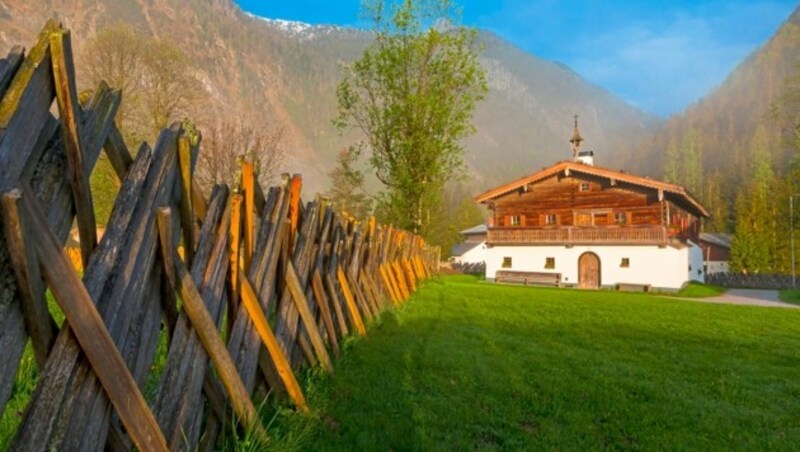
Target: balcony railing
649, 235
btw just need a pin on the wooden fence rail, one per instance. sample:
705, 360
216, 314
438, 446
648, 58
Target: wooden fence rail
267, 283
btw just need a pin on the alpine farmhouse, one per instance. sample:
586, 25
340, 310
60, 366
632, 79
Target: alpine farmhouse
579, 225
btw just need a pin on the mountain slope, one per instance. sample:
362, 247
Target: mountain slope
276, 71
725, 122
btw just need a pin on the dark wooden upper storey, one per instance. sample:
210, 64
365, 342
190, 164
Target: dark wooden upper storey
578, 203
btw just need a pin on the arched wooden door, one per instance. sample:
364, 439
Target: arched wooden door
589, 271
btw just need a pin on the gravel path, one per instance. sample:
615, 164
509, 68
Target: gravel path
751, 297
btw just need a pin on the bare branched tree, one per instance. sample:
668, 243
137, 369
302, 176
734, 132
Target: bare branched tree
156, 78
227, 143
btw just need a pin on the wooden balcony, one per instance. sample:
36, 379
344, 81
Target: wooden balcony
571, 235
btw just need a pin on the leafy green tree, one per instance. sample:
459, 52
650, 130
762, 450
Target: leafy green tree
755, 235
672, 163
456, 211
411, 95
347, 191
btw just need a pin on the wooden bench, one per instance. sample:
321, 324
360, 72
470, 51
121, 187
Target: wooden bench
631, 287
535, 278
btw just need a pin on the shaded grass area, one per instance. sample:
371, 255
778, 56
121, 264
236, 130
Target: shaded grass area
472, 365
790, 296
700, 290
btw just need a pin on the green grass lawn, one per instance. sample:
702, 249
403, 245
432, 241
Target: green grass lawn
700, 290
790, 296
471, 365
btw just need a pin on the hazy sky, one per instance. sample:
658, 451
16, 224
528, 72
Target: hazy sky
658, 55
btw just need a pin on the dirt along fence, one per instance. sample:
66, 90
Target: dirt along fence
265, 285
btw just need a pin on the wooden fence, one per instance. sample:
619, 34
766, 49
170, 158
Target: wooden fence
266, 283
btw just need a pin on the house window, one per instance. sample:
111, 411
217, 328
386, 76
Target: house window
620, 218
550, 219
550, 262
626, 262
514, 220
584, 186
506, 262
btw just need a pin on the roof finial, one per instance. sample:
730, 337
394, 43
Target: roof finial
576, 139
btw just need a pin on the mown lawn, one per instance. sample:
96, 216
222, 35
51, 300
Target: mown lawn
471, 365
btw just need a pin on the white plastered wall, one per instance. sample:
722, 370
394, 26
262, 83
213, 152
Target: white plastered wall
666, 267
474, 256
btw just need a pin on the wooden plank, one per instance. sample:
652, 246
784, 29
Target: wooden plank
167, 243
250, 302
244, 341
306, 350
206, 330
330, 286
186, 366
294, 207
296, 290
361, 300
401, 296
186, 205
234, 246
370, 291
259, 198
249, 183
90, 330
401, 280
25, 108
389, 285
288, 321
117, 152
352, 309
9, 68
52, 188
199, 203
324, 309
40, 325
69, 112
409, 272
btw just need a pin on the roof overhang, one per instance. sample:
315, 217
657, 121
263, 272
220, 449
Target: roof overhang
676, 193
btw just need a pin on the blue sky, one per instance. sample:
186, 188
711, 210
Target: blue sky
658, 55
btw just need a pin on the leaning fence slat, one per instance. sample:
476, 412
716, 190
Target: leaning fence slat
9, 67
38, 322
301, 303
186, 362
248, 184
330, 286
322, 302
187, 210
209, 336
69, 111
117, 152
351, 303
25, 108
390, 284
234, 246
250, 301
91, 332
